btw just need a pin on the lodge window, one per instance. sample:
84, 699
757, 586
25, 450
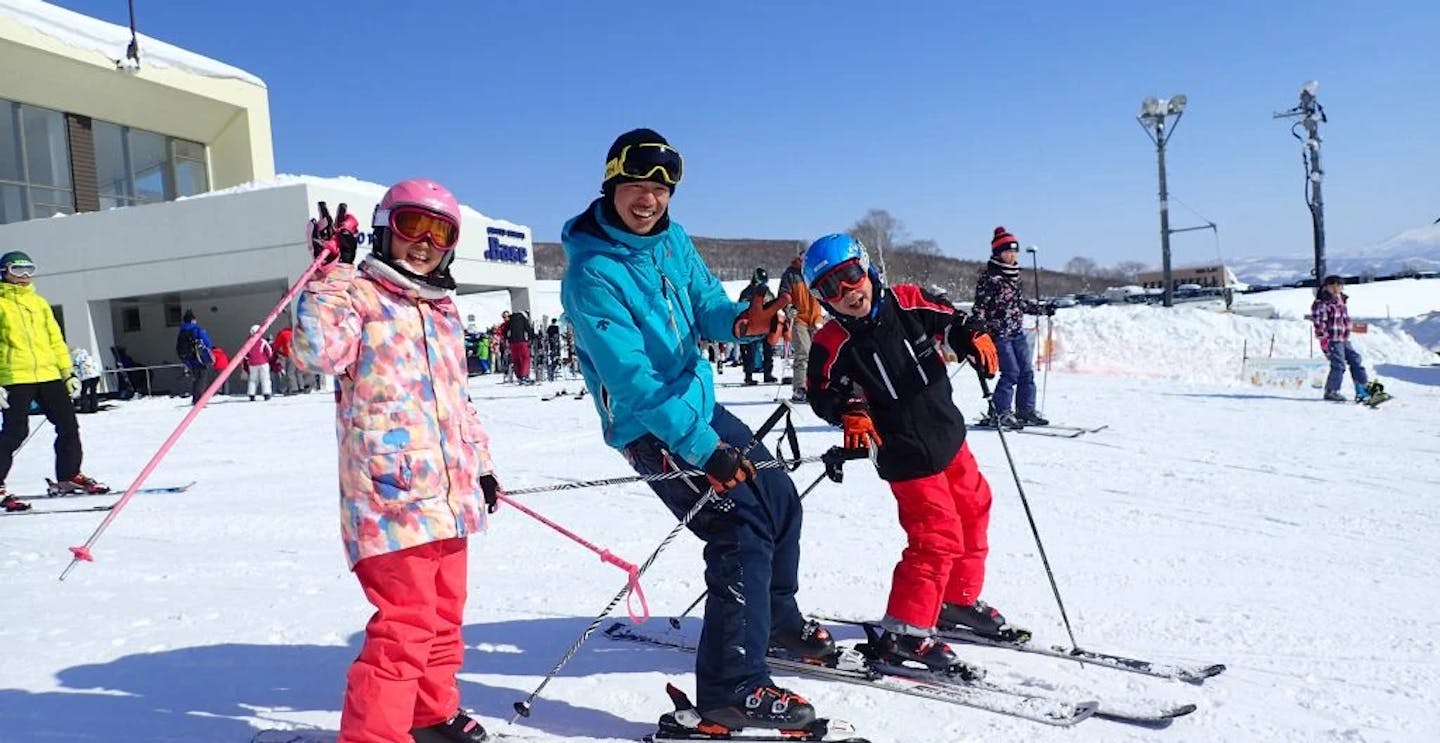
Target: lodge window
34, 163
134, 166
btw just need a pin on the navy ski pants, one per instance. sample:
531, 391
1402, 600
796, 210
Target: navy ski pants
752, 557
1341, 355
1017, 377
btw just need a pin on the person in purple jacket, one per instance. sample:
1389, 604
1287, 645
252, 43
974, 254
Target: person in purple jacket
1000, 303
1332, 327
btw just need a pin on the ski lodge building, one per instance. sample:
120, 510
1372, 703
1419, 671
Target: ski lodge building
142, 188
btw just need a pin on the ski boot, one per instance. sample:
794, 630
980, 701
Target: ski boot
896, 649
1335, 397
1010, 422
981, 619
77, 485
1031, 418
458, 729
799, 398
11, 504
687, 724
766, 706
771, 379
812, 643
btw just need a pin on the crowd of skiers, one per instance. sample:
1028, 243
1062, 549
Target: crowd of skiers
522, 352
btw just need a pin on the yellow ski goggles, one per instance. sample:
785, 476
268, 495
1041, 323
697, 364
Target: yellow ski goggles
642, 161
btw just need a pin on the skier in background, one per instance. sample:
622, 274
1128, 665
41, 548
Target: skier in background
765, 362
877, 372
805, 318
87, 370
640, 299
517, 336
196, 352
1330, 314
412, 486
257, 363
999, 303
35, 366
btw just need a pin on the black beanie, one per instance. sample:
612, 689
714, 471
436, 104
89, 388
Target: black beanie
632, 137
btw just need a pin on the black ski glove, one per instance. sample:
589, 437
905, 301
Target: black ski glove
1047, 309
491, 486
728, 467
336, 235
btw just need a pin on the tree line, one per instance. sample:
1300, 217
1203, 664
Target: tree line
906, 260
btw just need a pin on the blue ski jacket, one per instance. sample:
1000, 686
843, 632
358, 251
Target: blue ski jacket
640, 306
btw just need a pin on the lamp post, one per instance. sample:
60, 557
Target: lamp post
1154, 112
1311, 115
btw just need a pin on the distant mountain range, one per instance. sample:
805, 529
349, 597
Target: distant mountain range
1416, 249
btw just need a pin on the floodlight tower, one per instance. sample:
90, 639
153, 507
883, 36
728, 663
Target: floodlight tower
1311, 115
1154, 113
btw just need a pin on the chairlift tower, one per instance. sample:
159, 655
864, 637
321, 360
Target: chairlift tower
1311, 115
1154, 113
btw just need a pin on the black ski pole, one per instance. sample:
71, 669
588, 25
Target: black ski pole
523, 707
767, 464
999, 429
834, 460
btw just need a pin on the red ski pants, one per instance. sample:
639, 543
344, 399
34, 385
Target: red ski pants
520, 357
405, 675
945, 516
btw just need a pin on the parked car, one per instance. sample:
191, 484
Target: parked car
1065, 300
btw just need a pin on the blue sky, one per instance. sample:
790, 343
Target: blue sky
797, 117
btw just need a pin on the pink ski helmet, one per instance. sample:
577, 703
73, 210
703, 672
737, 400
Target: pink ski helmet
424, 194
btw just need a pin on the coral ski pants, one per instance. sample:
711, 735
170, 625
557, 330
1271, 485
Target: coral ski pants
405, 675
945, 516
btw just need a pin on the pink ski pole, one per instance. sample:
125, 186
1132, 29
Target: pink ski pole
605, 556
83, 552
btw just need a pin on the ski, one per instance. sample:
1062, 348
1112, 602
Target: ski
314, 735
1153, 715
1031, 431
1189, 674
78, 509
565, 394
141, 491
852, 669
1080, 429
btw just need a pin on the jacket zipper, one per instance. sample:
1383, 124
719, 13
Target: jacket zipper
925, 378
883, 375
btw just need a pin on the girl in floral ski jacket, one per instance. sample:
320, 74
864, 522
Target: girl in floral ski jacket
415, 470
1000, 302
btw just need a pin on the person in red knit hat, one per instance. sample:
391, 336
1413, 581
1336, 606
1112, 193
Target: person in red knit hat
1000, 303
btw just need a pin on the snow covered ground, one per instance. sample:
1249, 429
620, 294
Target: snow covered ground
1291, 539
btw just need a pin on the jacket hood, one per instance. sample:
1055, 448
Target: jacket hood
592, 232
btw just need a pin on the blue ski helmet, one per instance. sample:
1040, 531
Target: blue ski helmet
830, 251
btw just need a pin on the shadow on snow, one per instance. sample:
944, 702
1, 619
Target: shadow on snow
204, 693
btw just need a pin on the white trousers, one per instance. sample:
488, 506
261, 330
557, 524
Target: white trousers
259, 377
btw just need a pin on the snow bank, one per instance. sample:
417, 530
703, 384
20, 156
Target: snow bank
110, 40
1197, 345
1378, 299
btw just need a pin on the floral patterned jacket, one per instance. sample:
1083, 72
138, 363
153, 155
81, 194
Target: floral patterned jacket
411, 447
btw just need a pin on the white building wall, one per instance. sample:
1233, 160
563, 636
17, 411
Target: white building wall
229, 256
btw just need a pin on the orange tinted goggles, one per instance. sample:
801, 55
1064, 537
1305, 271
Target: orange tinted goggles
416, 224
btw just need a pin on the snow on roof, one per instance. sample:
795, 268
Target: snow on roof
343, 182
108, 39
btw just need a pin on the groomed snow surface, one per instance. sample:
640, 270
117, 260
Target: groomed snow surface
1292, 539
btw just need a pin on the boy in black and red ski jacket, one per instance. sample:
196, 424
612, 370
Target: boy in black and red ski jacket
878, 373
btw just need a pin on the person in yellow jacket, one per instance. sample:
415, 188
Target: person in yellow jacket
35, 366
806, 318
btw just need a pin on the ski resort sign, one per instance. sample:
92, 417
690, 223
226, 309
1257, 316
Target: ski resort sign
1293, 374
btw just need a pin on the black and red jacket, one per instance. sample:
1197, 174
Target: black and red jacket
892, 361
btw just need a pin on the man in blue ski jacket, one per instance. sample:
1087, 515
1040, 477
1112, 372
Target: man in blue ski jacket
641, 301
